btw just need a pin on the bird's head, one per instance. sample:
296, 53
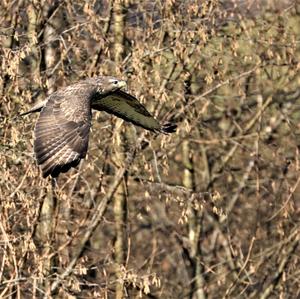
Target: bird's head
110, 84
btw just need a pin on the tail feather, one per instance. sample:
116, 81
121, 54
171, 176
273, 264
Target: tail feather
37, 108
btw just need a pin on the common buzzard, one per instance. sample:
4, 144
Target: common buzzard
61, 133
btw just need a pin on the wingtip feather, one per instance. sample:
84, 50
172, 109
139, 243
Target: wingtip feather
168, 128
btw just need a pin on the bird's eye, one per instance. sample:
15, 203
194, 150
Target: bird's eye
115, 82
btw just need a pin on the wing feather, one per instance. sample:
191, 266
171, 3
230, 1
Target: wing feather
130, 109
61, 139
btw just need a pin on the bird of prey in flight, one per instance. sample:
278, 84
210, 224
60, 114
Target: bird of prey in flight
61, 133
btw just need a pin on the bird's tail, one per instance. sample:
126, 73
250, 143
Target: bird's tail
37, 108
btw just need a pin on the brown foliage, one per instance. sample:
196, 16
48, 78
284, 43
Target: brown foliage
209, 212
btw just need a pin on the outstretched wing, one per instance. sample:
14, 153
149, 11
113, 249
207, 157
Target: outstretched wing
130, 109
61, 133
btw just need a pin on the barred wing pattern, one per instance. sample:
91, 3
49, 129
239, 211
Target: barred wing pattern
130, 109
61, 138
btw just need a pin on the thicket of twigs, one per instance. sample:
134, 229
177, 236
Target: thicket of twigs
209, 212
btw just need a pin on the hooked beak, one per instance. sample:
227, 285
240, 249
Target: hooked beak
122, 84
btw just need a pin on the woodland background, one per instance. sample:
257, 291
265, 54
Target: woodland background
211, 211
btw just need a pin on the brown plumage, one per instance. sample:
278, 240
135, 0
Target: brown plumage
61, 134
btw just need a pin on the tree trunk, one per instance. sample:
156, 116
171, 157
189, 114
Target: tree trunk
194, 225
120, 201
